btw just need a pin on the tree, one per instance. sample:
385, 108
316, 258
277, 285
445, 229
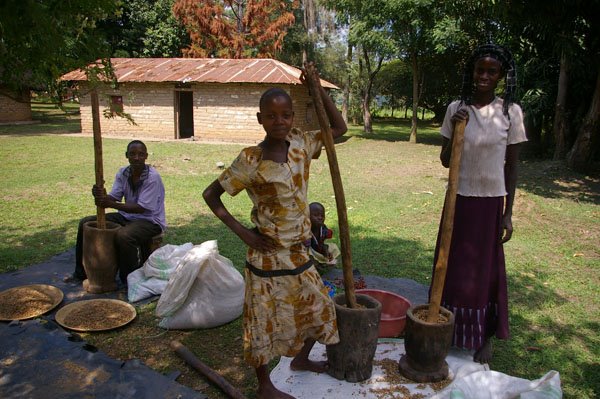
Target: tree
394, 82
316, 38
145, 28
412, 22
41, 40
235, 28
588, 140
370, 35
565, 36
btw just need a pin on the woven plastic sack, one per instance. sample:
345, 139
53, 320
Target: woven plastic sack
204, 291
140, 287
163, 261
151, 279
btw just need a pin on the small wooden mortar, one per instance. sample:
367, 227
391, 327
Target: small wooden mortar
427, 342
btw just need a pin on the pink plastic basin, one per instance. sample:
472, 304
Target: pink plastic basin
393, 311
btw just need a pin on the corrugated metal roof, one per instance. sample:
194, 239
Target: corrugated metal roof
201, 70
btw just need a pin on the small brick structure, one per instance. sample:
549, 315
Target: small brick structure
220, 112
200, 99
14, 106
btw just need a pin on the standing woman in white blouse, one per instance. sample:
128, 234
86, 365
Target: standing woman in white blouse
475, 288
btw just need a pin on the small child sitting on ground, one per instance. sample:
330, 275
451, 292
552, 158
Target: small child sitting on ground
324, 255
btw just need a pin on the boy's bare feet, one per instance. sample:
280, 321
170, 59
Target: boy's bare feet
483, 355
309, 365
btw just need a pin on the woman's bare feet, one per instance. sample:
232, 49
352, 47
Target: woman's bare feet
266, 389
270, 392
301, 361
483, 355
308, 365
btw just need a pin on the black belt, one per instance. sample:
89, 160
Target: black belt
278, 273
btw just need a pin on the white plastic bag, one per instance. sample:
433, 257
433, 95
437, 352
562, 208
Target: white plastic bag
151, 278
141, 287
204, 291
163, 261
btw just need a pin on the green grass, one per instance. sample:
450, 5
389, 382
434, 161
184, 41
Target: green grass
394, 192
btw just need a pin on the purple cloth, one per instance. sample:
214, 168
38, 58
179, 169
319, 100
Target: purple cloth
475, 289
149, 193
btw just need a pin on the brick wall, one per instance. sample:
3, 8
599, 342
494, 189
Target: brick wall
150, 106
12, 110
221, 112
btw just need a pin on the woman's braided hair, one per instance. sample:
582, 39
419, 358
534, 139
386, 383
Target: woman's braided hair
507, 61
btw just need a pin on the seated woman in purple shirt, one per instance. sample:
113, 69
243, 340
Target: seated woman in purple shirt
138, 194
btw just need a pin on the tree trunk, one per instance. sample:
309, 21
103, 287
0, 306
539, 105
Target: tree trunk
367, 120
310, 26
588, 139
415, 105
534, 135
366, 94
346, 99
560, 118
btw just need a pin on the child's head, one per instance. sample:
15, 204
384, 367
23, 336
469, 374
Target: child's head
485, 55
276, 114
317, 214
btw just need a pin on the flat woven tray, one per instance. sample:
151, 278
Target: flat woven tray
95, 315
28, 301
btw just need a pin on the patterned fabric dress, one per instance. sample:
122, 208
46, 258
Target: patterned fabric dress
281, 312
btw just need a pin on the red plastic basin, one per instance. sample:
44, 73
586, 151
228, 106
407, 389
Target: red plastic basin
393, 311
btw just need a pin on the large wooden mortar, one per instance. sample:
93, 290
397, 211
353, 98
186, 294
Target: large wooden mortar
426, 346
100, 257
352, 358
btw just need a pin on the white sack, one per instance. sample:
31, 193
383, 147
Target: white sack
204, 291
141, 287
163, 261
151, 278
495, 385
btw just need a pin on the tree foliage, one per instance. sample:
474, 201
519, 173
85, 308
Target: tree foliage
235, 28
42, 39
145, 28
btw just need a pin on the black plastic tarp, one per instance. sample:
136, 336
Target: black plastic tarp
39, 359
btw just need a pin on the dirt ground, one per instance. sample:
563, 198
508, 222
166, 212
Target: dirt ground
144, 340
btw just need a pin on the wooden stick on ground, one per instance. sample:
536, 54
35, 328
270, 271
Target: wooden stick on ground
437, 285
100, 212
314, 82
209, 373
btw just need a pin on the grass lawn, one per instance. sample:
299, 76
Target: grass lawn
394, 192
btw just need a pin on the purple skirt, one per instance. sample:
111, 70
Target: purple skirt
475, 289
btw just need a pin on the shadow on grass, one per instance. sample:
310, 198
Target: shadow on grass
527, 353
552, 179
46, 119
399, 130
389, 257
27, 250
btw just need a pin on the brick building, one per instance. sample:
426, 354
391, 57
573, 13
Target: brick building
205, 98
14, 106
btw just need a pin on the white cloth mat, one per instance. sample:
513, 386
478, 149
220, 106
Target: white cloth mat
470, 380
